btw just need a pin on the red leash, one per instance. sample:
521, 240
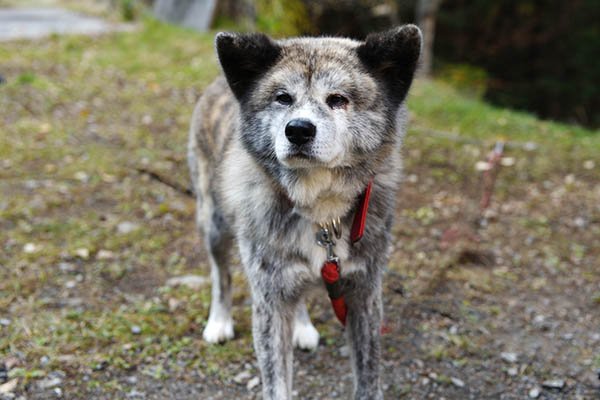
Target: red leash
330, 272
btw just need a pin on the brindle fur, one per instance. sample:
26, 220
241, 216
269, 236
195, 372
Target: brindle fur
251, 188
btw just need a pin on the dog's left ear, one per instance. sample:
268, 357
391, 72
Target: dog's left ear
245, 58
392, 57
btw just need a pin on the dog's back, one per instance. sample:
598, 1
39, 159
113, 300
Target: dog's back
214, 121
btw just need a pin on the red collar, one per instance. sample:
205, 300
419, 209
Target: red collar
360, 218
330, 272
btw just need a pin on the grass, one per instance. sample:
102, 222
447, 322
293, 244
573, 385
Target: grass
79, 117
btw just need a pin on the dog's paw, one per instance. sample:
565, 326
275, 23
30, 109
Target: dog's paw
306, 337
218, 331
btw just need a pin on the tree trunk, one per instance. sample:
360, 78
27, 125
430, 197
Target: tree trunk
196, 14
426, 15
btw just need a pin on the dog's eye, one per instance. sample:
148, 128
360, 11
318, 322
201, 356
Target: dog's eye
284, 99
336, 101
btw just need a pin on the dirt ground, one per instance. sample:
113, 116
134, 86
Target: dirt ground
94, 220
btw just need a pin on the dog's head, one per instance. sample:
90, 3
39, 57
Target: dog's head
319, 102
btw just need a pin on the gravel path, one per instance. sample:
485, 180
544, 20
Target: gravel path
35, 23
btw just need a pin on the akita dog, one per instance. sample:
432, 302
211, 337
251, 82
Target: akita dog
286, 152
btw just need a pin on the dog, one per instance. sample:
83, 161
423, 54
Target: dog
283, 149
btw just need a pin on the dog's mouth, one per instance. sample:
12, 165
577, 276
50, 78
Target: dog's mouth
301, 154
300, 157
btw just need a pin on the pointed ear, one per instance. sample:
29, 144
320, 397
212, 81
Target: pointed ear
245, 58
392, 57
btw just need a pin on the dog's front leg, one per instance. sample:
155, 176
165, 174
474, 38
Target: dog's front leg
363, 328
272, 332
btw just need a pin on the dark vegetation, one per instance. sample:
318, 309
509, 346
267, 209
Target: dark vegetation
534, 55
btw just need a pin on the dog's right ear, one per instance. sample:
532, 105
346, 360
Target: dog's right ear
245, 58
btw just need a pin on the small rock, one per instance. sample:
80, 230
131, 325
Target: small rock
135, 394
345, 351
147, 119
242, 377
174, 304
580, 222
530, 146
105, 255
9, 386
136, 330
66, 267
570, 179
30, 248
132, 380
554, 384
101, 366
507, 161
194, 282
11, 362
483, 166
70, 284
126, 227
509, 357
589, 164
49, 383
512, 371
252, 383
58, 392
568, 336
82, 253
457, 382
44, 360
5, 321
534, 393
412, 178
82, 176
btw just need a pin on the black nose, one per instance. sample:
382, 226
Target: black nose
300, 131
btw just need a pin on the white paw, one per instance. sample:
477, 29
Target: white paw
306, 337
218, 331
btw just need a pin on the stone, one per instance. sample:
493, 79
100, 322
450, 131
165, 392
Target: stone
509, 357
82, 253
457, 382
252, 383
194, 282
105, 255
242, 377
126, 227
534, 393
30, 248
554, 384
49, 383
9, 386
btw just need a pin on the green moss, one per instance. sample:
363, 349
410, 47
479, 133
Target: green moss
282, 17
